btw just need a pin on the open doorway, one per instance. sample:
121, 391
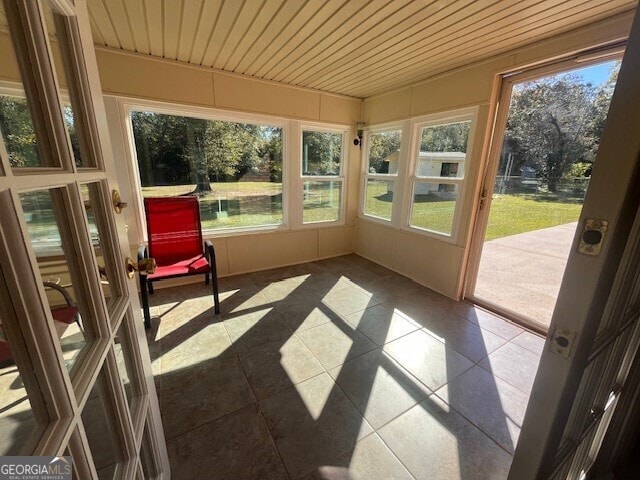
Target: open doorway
548, 130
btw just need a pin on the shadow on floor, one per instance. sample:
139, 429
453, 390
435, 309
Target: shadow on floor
335, 369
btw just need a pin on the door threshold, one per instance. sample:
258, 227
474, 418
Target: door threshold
512, 316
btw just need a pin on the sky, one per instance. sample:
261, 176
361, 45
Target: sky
596, 74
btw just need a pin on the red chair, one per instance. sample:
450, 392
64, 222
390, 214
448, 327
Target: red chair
175, 242
67, 314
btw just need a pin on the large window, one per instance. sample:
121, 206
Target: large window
322, 176
438, 173
234, 168
383, 156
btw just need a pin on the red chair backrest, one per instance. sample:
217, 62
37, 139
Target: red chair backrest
173, 228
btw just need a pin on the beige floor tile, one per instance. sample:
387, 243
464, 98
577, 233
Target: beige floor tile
198, 394
464, 337
418, 309
371, 459
276, 366
381, 324
251, 330
493, 323
378, 387
191, 344
237, 446
236, 282
515, 365
532, 342
291, 290
434, 442
245, 300
335, 343
301, 316
312, 424
348, 300
491, 404
428, 359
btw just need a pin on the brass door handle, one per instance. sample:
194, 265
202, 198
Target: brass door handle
118, 204
145, 266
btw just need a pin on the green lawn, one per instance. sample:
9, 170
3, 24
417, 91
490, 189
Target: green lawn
510, 214
248, 204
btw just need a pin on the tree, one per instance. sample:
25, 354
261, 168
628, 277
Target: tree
321, 152
17, 131
271, 151
229, 148
550, 125
452, 137
381, 145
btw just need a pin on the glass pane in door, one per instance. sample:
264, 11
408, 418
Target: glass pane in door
550, 144
18, 140
124, 348
96, 206
147, 457
99, 424
21, 427
57, 255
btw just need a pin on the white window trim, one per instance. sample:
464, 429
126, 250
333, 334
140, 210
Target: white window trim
406, 178
129, 106
341, 177
366, 175
411, 179
119, 118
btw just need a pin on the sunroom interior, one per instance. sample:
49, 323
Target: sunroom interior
347, 345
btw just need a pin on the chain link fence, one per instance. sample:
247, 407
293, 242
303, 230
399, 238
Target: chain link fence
566, 188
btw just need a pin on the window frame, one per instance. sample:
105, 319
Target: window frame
202, 113
406, 178
413, 179
395, 177
301, 178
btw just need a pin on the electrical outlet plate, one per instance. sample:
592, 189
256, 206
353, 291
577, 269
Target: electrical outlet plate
562, 342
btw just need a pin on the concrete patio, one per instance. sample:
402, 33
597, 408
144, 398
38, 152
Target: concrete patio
523, 272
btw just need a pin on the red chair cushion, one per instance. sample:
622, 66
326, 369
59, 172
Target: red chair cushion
5, 352
191, 266
65, 314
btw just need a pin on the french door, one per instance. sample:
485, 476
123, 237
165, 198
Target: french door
75, 372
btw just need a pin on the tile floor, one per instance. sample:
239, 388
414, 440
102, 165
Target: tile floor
337, 369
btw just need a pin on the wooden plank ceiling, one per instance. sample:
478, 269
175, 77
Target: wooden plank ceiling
352, 47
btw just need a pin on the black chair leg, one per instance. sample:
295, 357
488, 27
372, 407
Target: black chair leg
144, 293
214, 277
150, 287
206, 279
216, 299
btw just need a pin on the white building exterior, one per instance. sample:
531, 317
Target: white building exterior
432, 164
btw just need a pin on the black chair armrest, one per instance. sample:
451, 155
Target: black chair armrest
62, 290
142, 252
